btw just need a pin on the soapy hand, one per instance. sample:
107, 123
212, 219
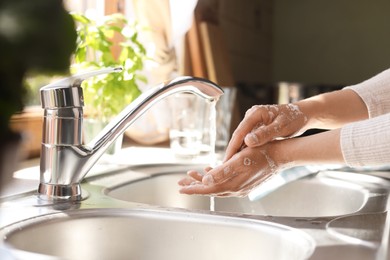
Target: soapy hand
264, 123
236, 177
249, 158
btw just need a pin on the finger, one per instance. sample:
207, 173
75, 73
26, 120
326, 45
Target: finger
228, 188
255, 116
195, 175
187, 181
237, 139
263, 134
216, 175
201, 189
234, 144
192, 177
207, 169
229, 179
197, 188
208, 186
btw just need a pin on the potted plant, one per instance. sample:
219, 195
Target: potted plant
35, 36
106, 95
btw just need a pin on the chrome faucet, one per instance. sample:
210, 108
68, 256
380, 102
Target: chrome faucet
64, 159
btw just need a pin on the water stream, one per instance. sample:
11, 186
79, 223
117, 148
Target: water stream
212, 203
213, 136
213, 132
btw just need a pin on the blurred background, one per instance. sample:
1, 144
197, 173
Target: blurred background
281, 50
272, 51
313, 45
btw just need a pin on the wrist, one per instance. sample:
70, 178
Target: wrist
333, 109
322, 148
308, 109
281, 153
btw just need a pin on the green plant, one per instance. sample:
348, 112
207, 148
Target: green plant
35, 36
106, 95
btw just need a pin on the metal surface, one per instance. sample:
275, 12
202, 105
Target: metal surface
323, 195
136, 234
64, 160
100, 226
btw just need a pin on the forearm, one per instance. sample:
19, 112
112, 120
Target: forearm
333, 110
323, 148
363, 143
354, 103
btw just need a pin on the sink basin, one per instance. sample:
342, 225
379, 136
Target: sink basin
313, 196
150, 234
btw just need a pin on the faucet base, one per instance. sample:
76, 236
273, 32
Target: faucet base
59, 192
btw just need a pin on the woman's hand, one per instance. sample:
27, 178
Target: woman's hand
236, 177
253, 165
252, 156
264, 123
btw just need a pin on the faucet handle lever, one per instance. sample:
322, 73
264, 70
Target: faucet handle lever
75, 80
67, 92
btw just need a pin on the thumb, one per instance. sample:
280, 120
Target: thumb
262, 135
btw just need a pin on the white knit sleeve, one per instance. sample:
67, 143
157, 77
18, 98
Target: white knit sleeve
367, 143
375, 93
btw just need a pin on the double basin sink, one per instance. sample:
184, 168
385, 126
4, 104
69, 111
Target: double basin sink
137, 213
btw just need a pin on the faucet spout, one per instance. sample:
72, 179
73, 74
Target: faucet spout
64, 159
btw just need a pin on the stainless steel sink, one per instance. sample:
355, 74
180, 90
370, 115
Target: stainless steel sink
320, 195
136, 212
152, 234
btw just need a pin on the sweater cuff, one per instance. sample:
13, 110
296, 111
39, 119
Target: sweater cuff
375, 92
366, 143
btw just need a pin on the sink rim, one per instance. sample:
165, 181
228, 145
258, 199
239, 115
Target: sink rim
294, 235
364, 183
96, 192
124, 212
153, 170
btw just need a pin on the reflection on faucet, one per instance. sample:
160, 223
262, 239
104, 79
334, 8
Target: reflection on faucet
64, 159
